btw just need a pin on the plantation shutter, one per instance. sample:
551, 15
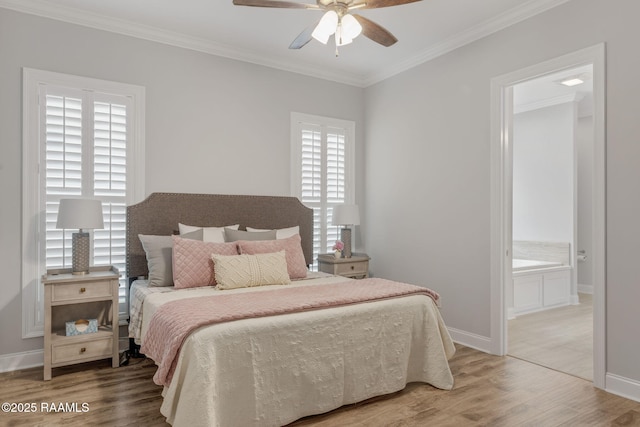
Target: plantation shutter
323, 175
85, 152
63, 168
336, 179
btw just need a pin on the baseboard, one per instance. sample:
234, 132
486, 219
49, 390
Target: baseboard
474, 341
585, 289
24, 360
622, 386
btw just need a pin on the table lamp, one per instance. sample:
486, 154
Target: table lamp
82, 214
346, 215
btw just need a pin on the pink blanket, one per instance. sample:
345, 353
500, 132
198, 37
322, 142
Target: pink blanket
175, 320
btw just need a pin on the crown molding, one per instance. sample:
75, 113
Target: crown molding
74, 16
548, 102
484, 29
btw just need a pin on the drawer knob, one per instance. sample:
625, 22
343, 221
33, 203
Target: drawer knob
353, 267
83, 349
83, 290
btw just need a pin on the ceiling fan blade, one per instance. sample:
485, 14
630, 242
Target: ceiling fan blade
374, 4
304, 37
280, 4
375, 31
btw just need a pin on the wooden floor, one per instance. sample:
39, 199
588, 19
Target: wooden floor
560, 338
489, 391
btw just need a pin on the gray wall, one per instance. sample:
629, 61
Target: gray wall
213, 125
428, 166
584, 141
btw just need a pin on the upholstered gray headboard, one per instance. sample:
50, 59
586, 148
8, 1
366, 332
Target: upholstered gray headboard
160, 213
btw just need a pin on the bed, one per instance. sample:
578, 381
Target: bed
274, 369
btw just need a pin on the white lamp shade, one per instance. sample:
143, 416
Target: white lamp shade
345, 215
348, 30
80, 214
326, 27
351, 27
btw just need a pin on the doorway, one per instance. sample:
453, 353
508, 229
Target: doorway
550, 320
502, 202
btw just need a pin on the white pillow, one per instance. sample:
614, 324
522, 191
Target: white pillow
243, 271
282, 233
209, 234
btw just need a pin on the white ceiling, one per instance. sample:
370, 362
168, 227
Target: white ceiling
425, 29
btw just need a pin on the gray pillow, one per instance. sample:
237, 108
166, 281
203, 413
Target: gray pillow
194, 235
231, 235
159, 259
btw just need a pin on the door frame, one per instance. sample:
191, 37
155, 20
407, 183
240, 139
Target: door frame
502, 203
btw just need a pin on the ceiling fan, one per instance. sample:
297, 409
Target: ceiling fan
337, 20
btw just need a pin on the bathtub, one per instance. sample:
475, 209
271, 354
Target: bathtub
530, 264
538, 285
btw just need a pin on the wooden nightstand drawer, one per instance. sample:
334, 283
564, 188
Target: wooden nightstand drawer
80, 351
347, 269
81, 291
356, 267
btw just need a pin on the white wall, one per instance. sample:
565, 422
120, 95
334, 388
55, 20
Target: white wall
428, 167
543, 174
213, 125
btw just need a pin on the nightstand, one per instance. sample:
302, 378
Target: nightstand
356, 267
69, 297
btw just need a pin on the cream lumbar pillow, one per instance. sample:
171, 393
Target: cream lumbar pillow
243, 271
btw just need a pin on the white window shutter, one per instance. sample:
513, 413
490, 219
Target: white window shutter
86, 137
323, 163
110, 183
80, 138
63, 169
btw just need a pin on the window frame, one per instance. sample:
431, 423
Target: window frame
297, 124
32, 178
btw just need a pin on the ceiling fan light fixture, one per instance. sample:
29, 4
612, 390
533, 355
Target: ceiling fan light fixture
348, 29
341, 37
337, 20
351, 28
326, 27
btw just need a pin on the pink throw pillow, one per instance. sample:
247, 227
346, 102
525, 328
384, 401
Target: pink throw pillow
192, 263
296, 265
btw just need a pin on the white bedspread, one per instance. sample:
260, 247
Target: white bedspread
273, 370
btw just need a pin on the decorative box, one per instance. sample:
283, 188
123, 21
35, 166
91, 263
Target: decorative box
81, 326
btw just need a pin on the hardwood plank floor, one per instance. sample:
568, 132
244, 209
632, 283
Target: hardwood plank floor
489, 391
560, 338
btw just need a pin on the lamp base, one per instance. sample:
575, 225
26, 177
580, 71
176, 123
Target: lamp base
345, 236
80, 245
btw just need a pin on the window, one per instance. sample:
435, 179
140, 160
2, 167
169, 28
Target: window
322, 171
82, 138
